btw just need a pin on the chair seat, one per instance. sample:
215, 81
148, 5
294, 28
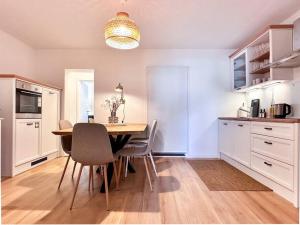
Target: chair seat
132, 150
138, 140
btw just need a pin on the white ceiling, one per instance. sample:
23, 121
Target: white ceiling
163, 23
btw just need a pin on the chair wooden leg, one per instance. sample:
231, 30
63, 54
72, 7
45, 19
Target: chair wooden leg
74, 167
63, 174
153, 164
100, 175
120, 169
76, 187
147, 171
126, 166
116, 175
92, 176
106, 187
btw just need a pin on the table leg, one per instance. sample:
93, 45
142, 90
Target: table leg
116, 144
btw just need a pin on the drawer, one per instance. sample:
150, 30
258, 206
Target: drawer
279, 172
276, 148
279, 130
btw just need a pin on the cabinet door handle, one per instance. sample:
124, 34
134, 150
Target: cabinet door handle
51, 93
29, 124
268, 128
240, 125
37, 125
268, 164
268, 143
225, 124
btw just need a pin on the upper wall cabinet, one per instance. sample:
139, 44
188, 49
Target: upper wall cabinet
251, 64
240, 70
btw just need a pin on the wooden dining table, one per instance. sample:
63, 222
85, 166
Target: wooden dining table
119, 135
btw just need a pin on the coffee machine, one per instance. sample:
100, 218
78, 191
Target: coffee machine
254, 110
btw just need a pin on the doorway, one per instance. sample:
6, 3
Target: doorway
79, 95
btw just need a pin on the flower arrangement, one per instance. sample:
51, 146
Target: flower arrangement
113, 104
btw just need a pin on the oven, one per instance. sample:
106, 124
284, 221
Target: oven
28, 100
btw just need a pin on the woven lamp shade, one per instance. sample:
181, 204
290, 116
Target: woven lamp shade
121, 32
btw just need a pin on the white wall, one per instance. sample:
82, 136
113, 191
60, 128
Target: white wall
209, 84
16, 57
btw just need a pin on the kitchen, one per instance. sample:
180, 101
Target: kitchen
234, 100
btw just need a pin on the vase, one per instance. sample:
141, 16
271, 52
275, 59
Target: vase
113, 117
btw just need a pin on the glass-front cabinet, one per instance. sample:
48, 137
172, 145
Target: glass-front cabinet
239, 66
253, 66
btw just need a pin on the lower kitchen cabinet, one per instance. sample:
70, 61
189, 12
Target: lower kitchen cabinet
241, 136
27, 140
266, 151
50, 118
234, 140
28, 135
226, 144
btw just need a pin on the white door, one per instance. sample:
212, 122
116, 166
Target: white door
27, 140
168, 104
242, 142
50, 115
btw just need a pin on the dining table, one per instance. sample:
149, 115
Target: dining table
119, 135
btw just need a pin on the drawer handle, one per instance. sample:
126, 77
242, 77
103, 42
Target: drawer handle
240, 125
225, 124
268, 128
268, 143
29, 124
268, 164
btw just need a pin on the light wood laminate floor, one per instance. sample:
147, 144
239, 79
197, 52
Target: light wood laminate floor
179, 196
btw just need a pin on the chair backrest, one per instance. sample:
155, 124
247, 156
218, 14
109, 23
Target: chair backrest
91, 144
151, 137
65, 124
66, 141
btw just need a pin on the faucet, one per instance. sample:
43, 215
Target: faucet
241, 109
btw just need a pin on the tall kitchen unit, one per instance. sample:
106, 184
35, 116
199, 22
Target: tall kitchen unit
31, 111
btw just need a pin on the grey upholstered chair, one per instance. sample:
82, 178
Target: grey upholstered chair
91, 146
138, 150
66, 142
141, 141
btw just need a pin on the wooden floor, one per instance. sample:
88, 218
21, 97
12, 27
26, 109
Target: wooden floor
179, 196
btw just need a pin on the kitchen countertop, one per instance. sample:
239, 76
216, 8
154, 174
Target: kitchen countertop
272, 120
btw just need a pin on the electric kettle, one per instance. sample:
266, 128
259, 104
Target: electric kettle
281, 110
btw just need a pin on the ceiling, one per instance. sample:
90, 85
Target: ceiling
163, 23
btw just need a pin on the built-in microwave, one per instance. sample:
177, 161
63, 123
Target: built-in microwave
28, 100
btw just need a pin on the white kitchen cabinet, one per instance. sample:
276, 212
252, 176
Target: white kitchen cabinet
266, 150
240, 70
50, 119
27, 140
241, 140
252, 64
23, 146
226, 144
234, 140
281, 173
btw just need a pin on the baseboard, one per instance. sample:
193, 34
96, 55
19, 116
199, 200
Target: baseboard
212, 156
168, 154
